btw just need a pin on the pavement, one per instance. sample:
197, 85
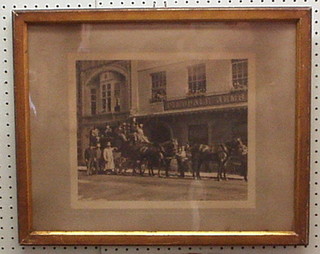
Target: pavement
172, 173
126, 186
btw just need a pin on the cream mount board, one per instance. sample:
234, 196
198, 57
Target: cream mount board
8, 202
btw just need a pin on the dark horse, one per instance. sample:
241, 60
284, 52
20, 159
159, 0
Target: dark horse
204, 153
152, 155
220, 154
238, 154
140, 155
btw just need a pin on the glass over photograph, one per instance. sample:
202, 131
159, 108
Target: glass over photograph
163, 127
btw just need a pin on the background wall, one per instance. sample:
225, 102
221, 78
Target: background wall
8, 208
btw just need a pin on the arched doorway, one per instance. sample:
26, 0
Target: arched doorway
158, 131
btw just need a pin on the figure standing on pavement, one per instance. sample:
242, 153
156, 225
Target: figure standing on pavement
181, 159
90, 156
189, 158
108, 158
99, 160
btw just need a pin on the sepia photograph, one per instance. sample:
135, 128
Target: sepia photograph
163, 130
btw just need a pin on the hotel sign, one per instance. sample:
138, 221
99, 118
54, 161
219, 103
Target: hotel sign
203, 101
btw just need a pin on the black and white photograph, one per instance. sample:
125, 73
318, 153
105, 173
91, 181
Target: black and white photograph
163, 130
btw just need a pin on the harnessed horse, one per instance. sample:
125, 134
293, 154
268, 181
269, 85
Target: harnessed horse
220, 155
239, 156
203, 153
140, 155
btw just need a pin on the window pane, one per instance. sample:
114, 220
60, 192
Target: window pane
240, 73
158, 89
197, 78
93, 103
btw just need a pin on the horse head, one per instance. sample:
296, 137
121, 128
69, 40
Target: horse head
170, 147
242, 148
236, 146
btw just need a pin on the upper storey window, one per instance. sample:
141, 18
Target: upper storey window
197, 79
106, 97
240, 74
159, 83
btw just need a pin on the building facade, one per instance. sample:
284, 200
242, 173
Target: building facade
103, 97
202, 101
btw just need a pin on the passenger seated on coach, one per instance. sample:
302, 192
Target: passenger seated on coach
140, 134
107, 132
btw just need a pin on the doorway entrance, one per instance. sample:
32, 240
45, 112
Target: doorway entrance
158, 131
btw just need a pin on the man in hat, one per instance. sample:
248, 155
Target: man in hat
107, 132
90, 155
181, 160
94, 136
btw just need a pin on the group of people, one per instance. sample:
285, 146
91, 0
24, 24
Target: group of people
107, 160
128, 131
102, 151
99, 159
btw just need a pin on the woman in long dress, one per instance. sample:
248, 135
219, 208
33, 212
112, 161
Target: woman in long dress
108, 158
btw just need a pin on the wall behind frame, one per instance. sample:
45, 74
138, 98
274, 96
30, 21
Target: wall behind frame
8, 207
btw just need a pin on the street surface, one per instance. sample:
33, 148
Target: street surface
153, 188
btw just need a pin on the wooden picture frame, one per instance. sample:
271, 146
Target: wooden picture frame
30, 233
